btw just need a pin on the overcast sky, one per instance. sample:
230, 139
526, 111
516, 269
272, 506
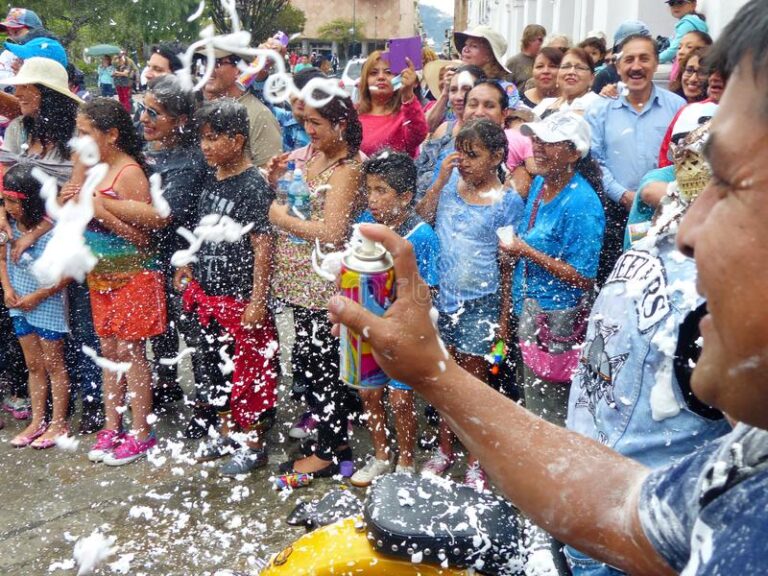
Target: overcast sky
444, 5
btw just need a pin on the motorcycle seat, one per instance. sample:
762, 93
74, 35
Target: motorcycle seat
437, 521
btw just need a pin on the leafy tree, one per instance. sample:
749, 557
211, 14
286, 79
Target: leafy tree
66, 18
259, 17
129, 24
290, 20
152, 21
345, 32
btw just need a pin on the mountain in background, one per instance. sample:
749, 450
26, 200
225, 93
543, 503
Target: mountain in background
435, 23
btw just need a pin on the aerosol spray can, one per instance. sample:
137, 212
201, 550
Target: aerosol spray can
292, 480
368, 278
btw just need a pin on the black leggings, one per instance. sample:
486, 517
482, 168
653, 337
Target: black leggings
315, 360
13, 369
211, 385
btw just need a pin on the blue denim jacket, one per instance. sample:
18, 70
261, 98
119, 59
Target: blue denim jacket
630, 343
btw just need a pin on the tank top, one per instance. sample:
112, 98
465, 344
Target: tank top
119, 259
294, 281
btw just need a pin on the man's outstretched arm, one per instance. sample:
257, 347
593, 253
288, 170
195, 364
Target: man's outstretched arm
580, 491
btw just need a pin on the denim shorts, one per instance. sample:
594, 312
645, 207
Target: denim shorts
583, 565
23, 328
471, 328
394, 384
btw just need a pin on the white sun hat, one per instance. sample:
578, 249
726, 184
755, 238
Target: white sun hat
496, 41
45, 72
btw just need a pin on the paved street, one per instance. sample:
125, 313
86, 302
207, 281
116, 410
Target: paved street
169, 515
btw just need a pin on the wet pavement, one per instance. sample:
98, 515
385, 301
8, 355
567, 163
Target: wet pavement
168, 515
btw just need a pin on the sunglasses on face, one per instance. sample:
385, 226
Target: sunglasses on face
224, 62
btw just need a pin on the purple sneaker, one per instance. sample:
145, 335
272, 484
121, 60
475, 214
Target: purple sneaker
303, 427
131, 449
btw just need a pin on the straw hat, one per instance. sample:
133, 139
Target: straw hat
432, 73
45, 72
497, 42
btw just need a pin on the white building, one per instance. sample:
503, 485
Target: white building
575, 18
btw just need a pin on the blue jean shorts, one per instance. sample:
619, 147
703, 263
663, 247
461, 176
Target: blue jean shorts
471, 328
583, 565
398, 385
23, 328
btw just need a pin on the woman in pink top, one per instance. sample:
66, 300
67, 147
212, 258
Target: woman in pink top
390, 118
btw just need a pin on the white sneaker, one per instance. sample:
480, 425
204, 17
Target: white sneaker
401, 469
365, 475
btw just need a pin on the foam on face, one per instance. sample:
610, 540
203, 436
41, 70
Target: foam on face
465, 79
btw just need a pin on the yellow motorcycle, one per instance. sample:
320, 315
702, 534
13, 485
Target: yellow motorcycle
409, 525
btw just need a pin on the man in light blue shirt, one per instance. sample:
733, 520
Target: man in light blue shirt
626, 136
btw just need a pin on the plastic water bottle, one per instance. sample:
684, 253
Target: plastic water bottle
299, 201
284, 183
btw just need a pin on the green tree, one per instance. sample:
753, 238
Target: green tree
67, 18
257, 16
152, 21
344, 32
129, 23
291, 20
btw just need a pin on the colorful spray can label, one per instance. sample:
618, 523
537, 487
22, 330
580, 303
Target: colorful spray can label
368, 278
294, 480
248, 76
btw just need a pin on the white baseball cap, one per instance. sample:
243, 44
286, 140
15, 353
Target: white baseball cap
562, 127
691, 117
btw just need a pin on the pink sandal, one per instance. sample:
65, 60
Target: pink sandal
41, 444
21, 441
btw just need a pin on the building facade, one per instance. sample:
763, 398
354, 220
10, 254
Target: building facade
380, 20
576, 18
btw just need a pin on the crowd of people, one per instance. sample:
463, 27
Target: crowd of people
539, 198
